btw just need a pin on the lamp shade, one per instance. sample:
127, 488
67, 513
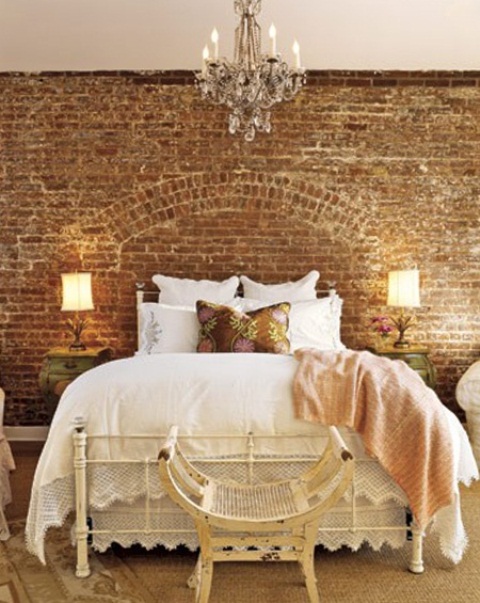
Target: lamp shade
404, 288
77, 291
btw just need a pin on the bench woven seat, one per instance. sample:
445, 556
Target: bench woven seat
275, 521
267, 502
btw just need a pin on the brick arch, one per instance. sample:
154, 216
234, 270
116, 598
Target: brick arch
178, 197
270, 227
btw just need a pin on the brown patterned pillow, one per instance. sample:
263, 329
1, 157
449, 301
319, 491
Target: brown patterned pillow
223, 329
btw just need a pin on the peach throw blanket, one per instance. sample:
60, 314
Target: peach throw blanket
401, 419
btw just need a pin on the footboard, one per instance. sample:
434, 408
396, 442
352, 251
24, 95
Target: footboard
357, 518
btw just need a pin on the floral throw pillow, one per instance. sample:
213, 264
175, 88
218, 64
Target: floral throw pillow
223, 329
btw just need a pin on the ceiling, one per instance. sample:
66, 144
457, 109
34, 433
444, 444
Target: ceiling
39, 35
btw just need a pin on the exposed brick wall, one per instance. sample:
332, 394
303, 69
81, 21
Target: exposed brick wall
128, 174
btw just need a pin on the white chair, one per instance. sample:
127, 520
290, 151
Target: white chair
6, 465
467, 394
275, 521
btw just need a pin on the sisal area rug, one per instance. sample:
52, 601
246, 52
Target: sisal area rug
160, 576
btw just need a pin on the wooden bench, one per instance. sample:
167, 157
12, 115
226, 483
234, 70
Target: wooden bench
275, 521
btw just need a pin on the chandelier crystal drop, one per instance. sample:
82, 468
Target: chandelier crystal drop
254, 82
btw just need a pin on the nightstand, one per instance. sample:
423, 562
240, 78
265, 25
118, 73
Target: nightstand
415, 356
61, 366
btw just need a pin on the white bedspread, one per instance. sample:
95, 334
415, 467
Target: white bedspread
205, 395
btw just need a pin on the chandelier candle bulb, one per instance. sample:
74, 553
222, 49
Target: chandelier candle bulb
296, 52
205, 57
272, 32
214, 39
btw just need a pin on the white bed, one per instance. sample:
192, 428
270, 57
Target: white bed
227, 405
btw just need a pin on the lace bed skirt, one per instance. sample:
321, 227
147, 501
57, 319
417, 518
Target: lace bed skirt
153, 520
129, 496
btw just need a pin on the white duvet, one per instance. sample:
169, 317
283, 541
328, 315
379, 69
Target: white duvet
205, 394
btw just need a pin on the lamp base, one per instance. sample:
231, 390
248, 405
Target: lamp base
77, 326
401, 344
77, 346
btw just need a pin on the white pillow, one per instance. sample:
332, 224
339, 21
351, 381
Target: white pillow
186, 292
316, 324
167, 329
312, 324
301, 290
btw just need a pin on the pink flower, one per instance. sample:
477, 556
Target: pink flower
205, 345
380, 319
243, 345
380, 325
281, 347
205, 313
279, 316
384, 329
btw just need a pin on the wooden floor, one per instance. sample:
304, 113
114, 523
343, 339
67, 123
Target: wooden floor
26, 456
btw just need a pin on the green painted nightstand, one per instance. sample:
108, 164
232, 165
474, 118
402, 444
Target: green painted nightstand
61, 366
415, 356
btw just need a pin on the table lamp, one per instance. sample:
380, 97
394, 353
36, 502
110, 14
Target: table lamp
403, 292
77, 297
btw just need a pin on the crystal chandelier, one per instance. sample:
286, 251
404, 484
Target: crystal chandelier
254, 82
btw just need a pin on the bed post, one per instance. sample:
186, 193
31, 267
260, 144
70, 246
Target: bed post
332, 292
140, 295
81, 527
416, 561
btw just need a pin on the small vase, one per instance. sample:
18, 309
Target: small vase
383, 342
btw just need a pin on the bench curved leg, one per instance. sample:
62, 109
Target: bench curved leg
194, 579
307, 563
204, 575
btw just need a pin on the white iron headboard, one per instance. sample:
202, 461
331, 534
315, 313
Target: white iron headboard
143, 295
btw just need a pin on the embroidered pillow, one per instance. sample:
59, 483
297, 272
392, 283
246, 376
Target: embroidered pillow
312, 324
167, 329
224, 329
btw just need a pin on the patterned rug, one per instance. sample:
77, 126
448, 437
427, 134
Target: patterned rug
160, 576
23, 579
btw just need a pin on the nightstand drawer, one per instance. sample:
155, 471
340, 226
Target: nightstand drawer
69, 366
61, 366
423, 372
417, 359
